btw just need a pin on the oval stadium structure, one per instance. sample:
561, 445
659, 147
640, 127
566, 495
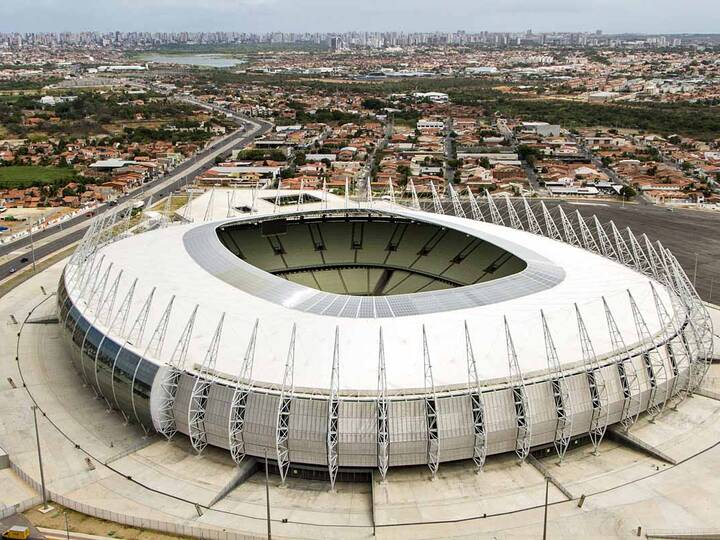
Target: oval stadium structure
339, 335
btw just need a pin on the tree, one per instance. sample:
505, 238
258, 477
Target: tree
628, 192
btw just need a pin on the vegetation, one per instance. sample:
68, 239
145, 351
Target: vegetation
25, 176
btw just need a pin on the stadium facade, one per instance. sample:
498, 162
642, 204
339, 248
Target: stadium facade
327, 333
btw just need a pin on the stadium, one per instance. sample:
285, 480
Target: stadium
332, 336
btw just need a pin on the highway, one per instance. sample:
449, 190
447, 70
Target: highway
56, 239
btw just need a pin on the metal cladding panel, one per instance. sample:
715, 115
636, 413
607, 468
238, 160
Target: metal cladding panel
642, 375
261, 423
614, 389
357, 440
308, 429
543, 414
579, 392
217, 414
408, 432
455, 427
182, 401
501, 421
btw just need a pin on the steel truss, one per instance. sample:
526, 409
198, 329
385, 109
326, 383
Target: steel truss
561, 395
653, 361
626, 371
282, 420
588, 240
415, 203
457, 206
495, 216
383, 426
533, 225
238, 404
475, 207
596, 383
437, 203
515, 222
642, 264
477, 403
551, 229
200, 392
153, 350
167, 426
623, 252
431, 416
678, 353
334, 413
209, 209
520, 399
699, 324
391, 190
570, 235
606, 246
134, 338
368, 195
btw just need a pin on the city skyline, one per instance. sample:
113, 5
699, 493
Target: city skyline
610, 16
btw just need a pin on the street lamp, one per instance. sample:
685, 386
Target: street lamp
42, 473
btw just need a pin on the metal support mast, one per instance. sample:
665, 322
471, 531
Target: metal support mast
169, 382
391, 190
477, 404
626, 371
596, 384
520, 399
282, 421
606, 247
238, 405
383, 427
642, 264
570, 235
561, 395
200, 392
153, 350
515, 222
551, 229
333, 413
588, 240
533, 225
676, 349
457, 206
437, 204
415, 204
494, 212
475, 207
431, 417
624, 254
653, 361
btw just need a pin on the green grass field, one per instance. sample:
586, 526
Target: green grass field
23, 176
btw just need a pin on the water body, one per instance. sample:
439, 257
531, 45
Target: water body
201, 60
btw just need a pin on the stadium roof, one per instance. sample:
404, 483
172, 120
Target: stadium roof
189, 261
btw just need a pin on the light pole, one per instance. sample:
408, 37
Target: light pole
67, 527
42, 473
547, 487
267, 496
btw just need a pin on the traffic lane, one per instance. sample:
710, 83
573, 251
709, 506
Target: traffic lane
179, 170
17, 263
6, 269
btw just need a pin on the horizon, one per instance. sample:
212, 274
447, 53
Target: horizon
613, 17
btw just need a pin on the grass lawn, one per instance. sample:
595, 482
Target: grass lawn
23, 176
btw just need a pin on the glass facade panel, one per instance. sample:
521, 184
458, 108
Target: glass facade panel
90, 347
141, 392
125, 365
106, 356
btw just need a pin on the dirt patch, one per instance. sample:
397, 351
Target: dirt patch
83, 523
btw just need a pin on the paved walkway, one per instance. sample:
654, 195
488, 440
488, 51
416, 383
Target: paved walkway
114, 469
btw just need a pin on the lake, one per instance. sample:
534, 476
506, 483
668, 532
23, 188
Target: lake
201, 60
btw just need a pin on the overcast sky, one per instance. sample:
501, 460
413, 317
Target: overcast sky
611, 16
